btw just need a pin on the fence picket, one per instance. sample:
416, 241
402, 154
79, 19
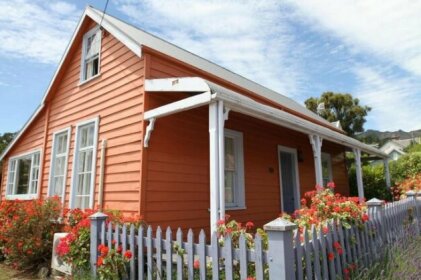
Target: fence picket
258, 256
180, 259
341, 241
158, 253
215, 256
308, 254
228, 257
149, 249
323, 250
331, 261
190, 254
316, 253
243, 256
202, 254
298, 256
116, 236
335, 240
168, 253
109, 234
103, 233
133, 250
140, 254
124, 238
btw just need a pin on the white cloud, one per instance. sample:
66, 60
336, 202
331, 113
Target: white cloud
36, 30
389, 30
395, 100
251, 38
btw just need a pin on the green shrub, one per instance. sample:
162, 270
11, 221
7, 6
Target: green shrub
406, 166
374, 182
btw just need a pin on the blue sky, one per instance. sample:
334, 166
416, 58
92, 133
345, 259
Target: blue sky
369, 48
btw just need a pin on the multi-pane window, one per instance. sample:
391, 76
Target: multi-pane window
91, 54
326, 168
23, 176
59, 163
234, 170
83, 176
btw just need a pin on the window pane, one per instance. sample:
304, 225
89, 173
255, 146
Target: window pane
229, 154
229, 186
24, 167
58, 186
61, 143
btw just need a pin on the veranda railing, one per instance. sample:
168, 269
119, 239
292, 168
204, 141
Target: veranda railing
313, 255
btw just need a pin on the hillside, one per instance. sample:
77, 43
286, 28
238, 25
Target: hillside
376, 136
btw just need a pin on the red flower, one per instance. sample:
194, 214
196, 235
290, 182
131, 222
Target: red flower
346, 271
340, 251
128, 255
104, 251
100, 261
330, 256
337, 245
221, 222
119, 249
325, 230
364, 218
303, 201
196, 264
251, 278
331, 185
249, 225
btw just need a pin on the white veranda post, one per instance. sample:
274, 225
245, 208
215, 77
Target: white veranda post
359, 172
316, 144
217, 168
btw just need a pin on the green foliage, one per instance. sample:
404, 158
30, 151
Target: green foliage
341, 107
374, 182
406, 166
413, 148
5, 139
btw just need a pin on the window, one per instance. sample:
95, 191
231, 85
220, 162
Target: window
23, 176
234, 170
84, 163
91, 48
58, 166
326, 168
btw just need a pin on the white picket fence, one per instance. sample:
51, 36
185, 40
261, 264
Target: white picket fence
162, 255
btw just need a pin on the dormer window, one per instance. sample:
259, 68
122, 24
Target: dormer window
91, 49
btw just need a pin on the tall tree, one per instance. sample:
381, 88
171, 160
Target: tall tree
342, 107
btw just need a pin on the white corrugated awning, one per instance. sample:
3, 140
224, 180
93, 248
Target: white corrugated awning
208, 92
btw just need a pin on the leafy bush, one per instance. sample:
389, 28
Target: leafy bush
373, 180
26, 231
412, 183
112, 263
406, 166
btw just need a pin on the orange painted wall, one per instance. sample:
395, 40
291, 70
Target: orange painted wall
116, 96
177, 185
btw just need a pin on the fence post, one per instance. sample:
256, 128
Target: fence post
97, 220
412, 195
281, 249
376, 207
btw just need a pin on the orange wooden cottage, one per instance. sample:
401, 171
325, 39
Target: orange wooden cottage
134, 123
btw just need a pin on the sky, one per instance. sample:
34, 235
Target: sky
369, 48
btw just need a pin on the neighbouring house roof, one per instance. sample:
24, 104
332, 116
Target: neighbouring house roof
395, 145
135, 39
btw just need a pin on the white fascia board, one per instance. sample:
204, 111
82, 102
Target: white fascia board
188, 85
179, 106
115, 31
34, 115
247, 106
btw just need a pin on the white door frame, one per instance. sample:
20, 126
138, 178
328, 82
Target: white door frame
297, 175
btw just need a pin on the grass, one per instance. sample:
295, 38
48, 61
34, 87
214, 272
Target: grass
8, 273
401, 261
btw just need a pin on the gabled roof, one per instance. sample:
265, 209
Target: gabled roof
135, 38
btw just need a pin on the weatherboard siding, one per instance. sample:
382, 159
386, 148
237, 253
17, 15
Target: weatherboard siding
177, 184
116, 97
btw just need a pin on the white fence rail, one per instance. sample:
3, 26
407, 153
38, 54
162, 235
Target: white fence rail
314, 254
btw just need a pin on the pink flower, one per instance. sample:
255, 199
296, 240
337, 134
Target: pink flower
196, 264
249, 225
330, 256
331, 185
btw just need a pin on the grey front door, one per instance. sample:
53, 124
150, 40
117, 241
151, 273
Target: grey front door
288, 175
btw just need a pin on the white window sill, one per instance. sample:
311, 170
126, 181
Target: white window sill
21, 196
81, 83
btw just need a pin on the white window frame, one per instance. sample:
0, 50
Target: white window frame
239, 189
327, 157
68, 131
27, 196
297, 176
83, 55
75, 160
